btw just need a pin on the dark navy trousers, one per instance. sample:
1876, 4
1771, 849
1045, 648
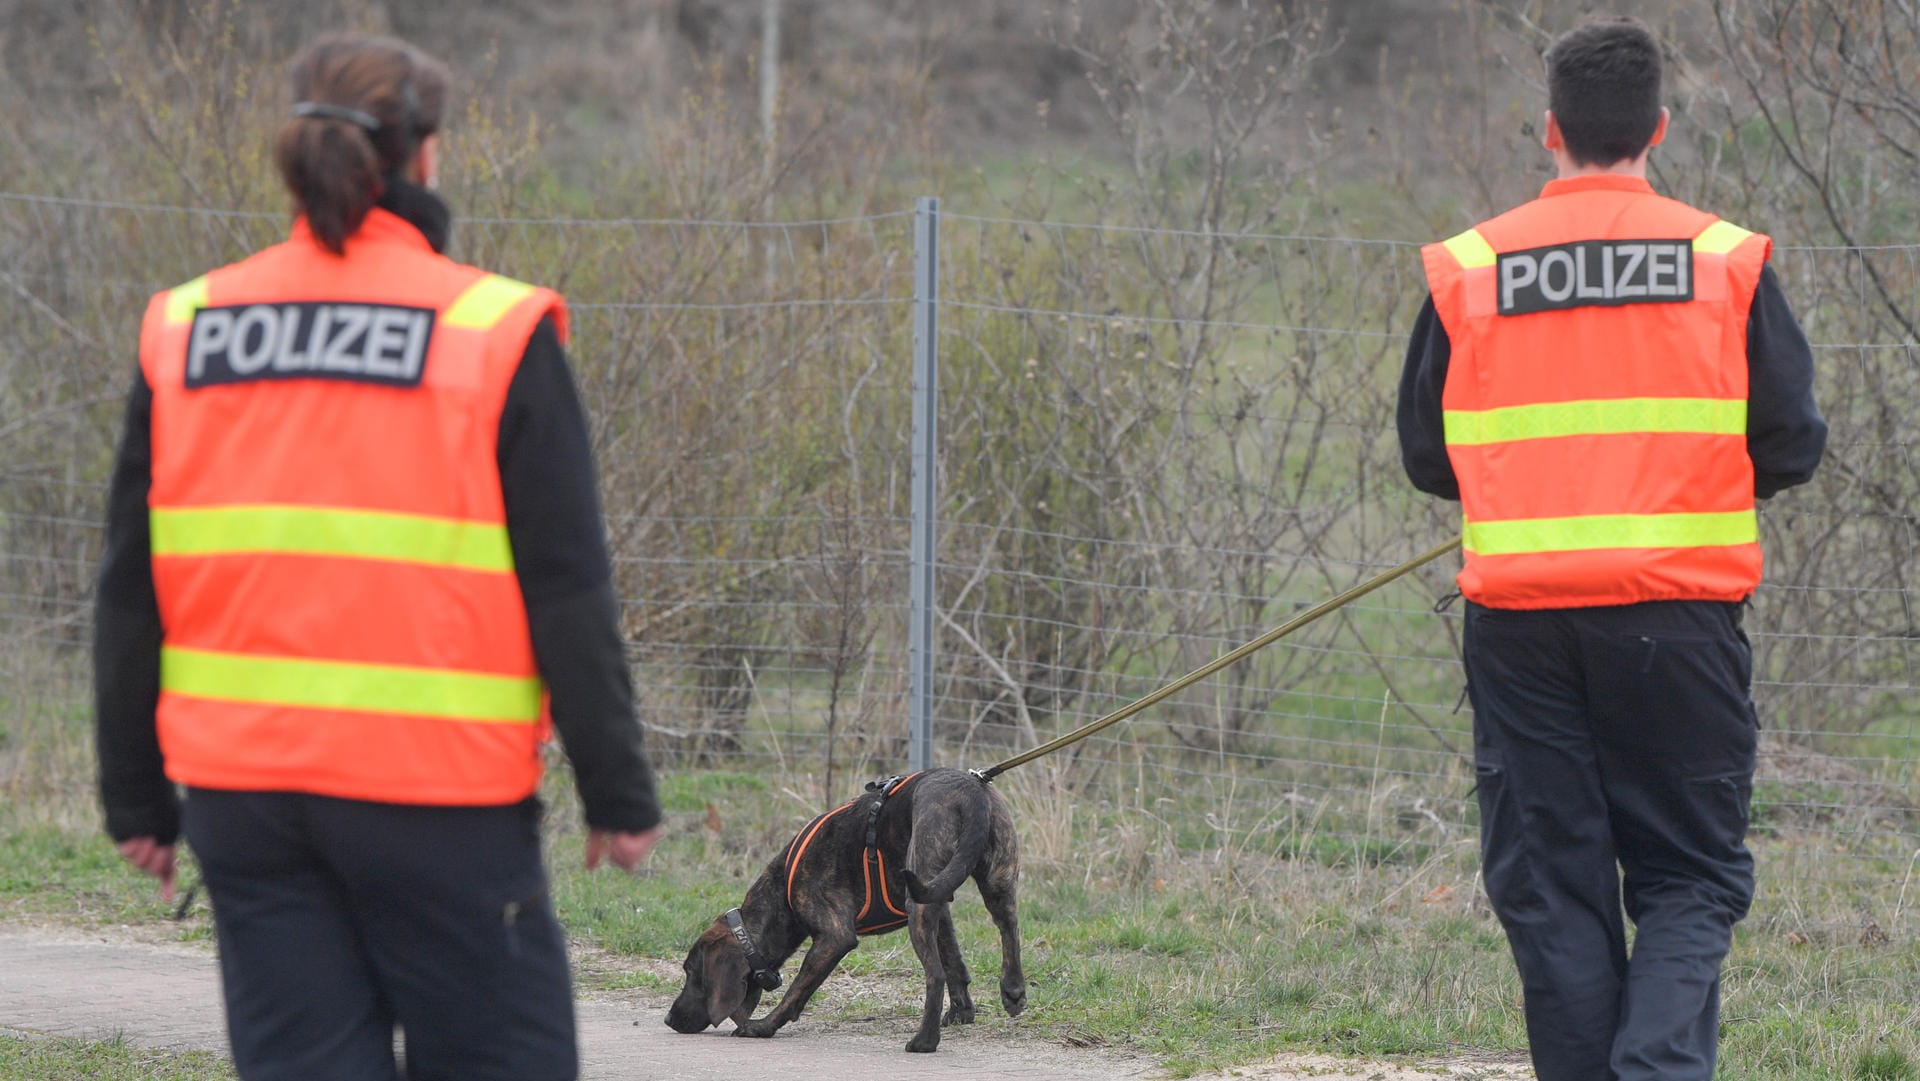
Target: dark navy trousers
340, 920
1614, 749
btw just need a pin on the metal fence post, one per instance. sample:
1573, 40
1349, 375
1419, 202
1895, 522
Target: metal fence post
926, 414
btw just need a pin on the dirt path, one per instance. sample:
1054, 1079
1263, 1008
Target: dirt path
63, 982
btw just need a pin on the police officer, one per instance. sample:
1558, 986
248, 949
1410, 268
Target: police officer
355, 570
1607, 380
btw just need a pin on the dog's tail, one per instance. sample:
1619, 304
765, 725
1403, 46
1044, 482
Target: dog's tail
976, 831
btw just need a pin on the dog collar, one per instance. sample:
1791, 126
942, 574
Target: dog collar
764, 975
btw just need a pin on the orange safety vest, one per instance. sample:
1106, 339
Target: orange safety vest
329, 540
1596, 399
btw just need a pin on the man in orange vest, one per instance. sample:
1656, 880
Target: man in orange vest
1607, 380
355, 570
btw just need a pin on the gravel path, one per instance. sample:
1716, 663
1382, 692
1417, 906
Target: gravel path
57, 981
60, 982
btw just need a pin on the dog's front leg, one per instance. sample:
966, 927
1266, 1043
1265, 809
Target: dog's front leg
825, 953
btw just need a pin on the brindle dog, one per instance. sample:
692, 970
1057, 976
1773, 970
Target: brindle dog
933, 831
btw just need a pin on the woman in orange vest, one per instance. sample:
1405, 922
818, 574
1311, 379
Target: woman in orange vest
1607, 380
355, 572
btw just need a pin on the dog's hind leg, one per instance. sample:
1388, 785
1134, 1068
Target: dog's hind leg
999, 885
923, 928
959, 1000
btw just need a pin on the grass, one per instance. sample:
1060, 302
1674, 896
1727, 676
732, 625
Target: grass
1204, 920
50, 873
56, 1059
1883, 1064
1206, 960
1197, 963
1197, 925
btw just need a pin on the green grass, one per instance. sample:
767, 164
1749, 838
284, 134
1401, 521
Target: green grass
1201, 950
1209, 960
72, 876
1883, 1064
1210, 981
56, 1059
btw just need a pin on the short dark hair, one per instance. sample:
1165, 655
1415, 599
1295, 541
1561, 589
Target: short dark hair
1603, 85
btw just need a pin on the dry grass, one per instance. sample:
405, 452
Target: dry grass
1282, 859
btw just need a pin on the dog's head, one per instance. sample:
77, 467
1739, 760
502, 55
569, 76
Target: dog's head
720, 984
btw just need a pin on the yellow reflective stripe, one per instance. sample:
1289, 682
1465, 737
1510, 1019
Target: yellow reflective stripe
1526, 535
363, 688
485, 301
330, 531
1471, 249
1720, 238
1613, 416
184, 300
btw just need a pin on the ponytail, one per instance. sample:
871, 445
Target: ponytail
362, 105
333, 171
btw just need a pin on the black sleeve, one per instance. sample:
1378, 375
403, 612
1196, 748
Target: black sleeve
560, 556
134, 790
1422, 423
1786, 435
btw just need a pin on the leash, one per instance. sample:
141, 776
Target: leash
1198, 674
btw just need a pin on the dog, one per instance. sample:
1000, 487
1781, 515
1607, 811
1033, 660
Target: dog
890, 858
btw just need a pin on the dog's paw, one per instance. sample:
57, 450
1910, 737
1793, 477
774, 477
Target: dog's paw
758, 1030
923, 1044
1014, 999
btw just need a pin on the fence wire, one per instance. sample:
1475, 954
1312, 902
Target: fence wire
1155, 444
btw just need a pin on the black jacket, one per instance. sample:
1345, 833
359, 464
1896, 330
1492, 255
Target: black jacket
559, 553
1785, 433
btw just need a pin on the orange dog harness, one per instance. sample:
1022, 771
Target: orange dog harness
871, 919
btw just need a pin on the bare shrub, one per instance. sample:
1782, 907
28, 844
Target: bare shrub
1824, 102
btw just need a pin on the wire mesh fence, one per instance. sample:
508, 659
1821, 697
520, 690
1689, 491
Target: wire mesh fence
1154, 445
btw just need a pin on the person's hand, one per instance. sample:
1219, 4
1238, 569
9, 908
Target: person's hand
626, 850
153, 858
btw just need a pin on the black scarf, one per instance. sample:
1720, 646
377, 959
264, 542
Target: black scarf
419, 208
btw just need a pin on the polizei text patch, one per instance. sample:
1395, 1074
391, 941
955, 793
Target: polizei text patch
1595, 272
364, 343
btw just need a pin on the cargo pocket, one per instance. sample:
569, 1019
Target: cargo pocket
1503, 844
1723, 809
513, 912
1720, 810
1678, 698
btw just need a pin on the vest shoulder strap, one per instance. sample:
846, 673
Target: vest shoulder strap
495, 301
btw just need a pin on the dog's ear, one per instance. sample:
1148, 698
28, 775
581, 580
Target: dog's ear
726, 982
747, 1005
